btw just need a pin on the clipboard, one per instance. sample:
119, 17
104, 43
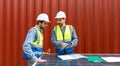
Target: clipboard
65, 47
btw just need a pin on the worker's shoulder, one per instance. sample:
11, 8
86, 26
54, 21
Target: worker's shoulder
55, 27
32, 30
71, 27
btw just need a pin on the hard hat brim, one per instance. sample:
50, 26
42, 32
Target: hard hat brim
44, 21
60, 17
47, 21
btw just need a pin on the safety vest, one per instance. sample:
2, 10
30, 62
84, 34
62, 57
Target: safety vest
63, 37
39, 41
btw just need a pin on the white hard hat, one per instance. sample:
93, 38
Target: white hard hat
43, 17
60, 14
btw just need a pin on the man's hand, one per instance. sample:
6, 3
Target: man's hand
64, 44
71, 45
40, 60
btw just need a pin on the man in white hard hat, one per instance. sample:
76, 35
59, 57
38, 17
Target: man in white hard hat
63, 37
33, 44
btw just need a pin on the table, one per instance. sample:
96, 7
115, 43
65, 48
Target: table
53, 60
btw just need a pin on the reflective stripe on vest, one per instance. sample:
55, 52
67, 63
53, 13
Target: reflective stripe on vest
39, 41
65, 36
37, 52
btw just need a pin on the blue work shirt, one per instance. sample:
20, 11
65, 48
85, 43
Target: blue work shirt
58, 44
31, 36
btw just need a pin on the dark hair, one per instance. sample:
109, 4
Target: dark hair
41, 21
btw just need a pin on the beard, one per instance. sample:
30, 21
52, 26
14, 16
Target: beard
42, 27
60, 24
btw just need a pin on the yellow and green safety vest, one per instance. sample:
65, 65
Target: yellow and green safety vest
63, 37
39, 41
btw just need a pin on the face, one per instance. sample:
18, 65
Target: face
60, 21
43, 25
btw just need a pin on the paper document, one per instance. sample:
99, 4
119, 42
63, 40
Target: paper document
71, 56
111, 59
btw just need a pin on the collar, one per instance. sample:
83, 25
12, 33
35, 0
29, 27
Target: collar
38, 28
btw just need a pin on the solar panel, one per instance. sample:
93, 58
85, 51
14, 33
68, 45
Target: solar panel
53, 60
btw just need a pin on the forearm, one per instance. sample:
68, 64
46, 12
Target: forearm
28, 51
